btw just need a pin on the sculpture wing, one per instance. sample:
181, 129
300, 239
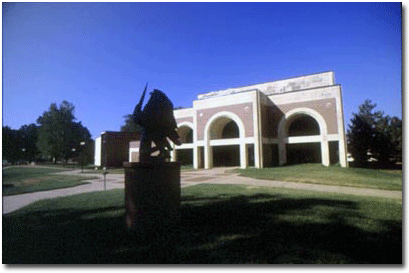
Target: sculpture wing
137, 113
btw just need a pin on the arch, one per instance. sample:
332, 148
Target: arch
283, 127
185, 123
295, 113
220, 120
224, 127
302, 125
185, 131
230, 130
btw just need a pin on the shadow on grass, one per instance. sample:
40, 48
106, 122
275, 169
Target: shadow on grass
377, 166
223, 229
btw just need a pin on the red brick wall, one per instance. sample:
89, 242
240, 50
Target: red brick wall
185, 119
325, 107
115, 148
271, 115
245, 114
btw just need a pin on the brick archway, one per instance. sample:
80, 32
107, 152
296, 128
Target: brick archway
213, 129
284, 139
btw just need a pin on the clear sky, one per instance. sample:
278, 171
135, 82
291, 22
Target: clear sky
99, 56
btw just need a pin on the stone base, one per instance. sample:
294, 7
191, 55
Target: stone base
152, 196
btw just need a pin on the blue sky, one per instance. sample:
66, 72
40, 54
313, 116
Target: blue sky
99, 56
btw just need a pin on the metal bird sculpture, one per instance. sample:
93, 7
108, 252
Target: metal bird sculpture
158, 124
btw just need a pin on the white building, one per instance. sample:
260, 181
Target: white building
270, 124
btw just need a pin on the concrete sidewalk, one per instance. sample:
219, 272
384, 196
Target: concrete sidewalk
311, 187
112, 181
188, 178
15, 202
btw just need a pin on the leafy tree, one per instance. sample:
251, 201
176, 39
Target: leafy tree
395, 131
371, 131
86, 154
20, 144
11, 147
359, 134
59, 136
382, 145
28, 139
130, 125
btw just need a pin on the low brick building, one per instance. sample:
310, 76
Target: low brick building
112, 148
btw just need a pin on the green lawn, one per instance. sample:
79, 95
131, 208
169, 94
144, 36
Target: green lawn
318, 174
110, 171
233, 224
17, 180
186, 168
122, 170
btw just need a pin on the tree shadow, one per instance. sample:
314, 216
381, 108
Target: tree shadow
215, 230
376, 165
264, 237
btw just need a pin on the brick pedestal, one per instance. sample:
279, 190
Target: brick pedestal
152, 196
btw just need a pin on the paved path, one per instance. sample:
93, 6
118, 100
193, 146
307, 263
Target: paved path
219, 176
188, 178
15, 202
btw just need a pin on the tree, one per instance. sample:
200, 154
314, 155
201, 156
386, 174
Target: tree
20, 145
59, 136
359, 134
374, 133
87, 152
29, 137
11, 147
130, 125
395, 134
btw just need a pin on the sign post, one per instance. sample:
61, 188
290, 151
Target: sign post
105, 182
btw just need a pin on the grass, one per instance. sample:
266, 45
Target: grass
186, 168
318, 174
17, 180
219, 224
110, 171
122, 170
